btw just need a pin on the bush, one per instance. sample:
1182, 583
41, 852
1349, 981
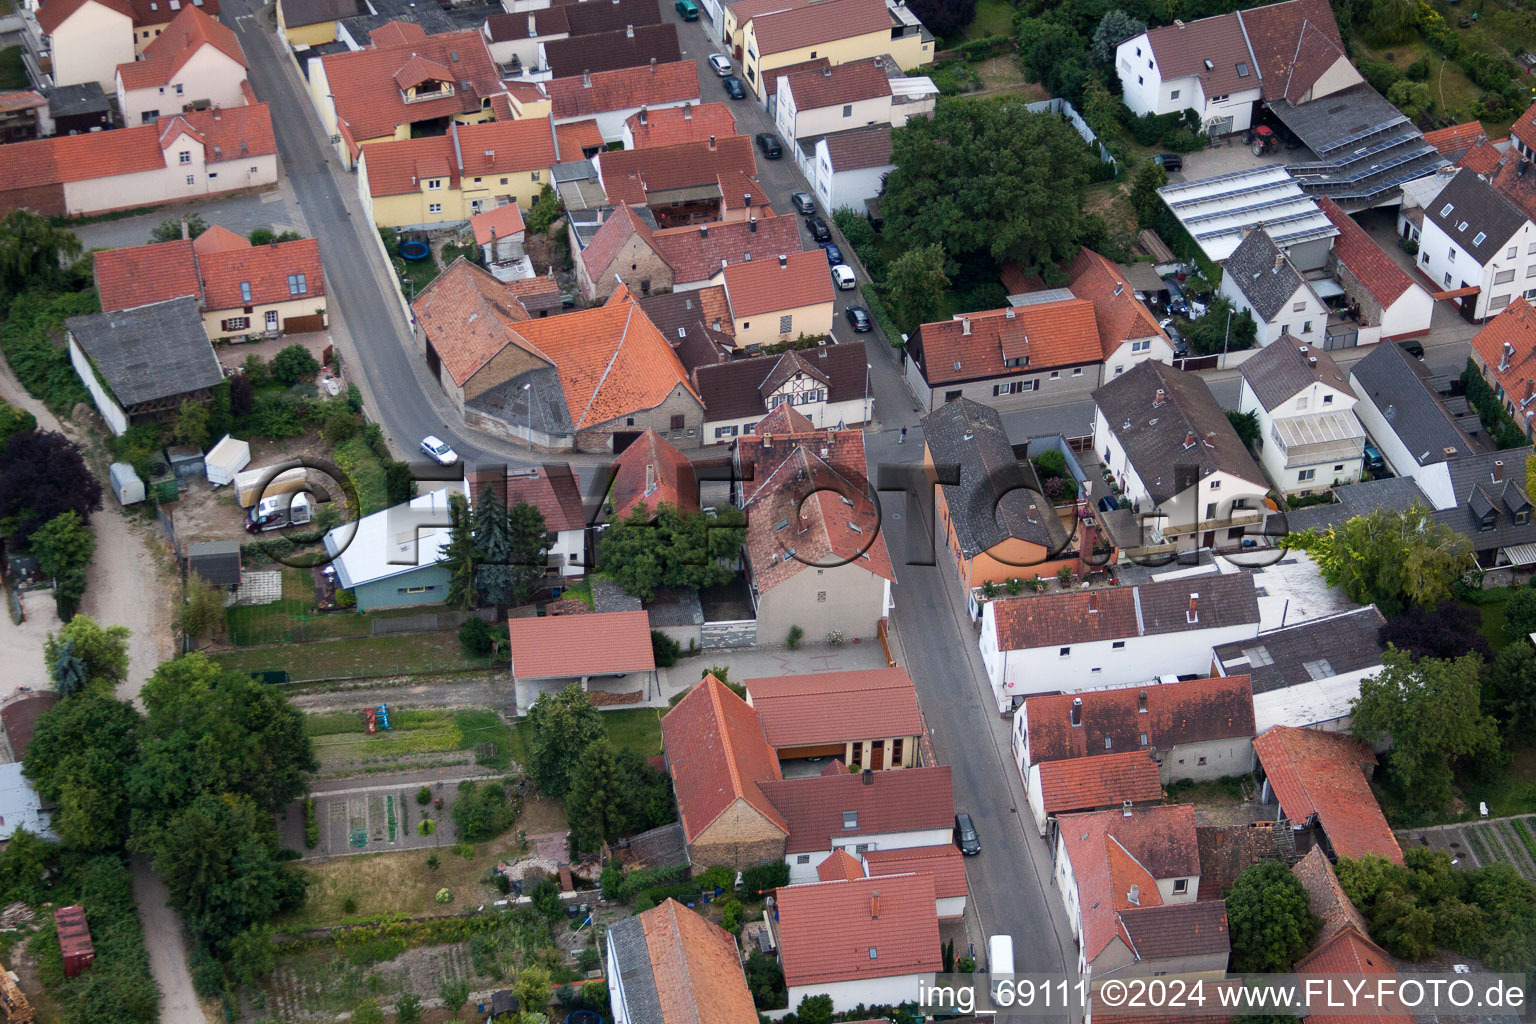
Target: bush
730, 916
665, 650
426, 827
484, 811
755, 880
717, 877
294, 364
444, 895
341, 423
612, 880
26, 339
793, 638
432, 862
635, 882
546, 209
311, 824
477, 637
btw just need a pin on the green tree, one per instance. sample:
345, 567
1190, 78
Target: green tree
399, 482
191, 425
530, 550
18, 421
483, 811
33, 251
103, 651
266, 236
408, 1009
461, 557
252, 955
81, 752
1519, 615
596, 805
990, 182
493, 546
1052, 54
1412, 98
815, 1009
1509, 689
1101, 109
765, 980
1270, 921
1150, 177
202, 609
64, 547
562, 725
169, 230
671, 548
1209, 335
454, 993
368, 1012
1430, 710
532, 988
1394, 559
1114, 28
43, 473
915, 285
477, 636
293, 364
1247, 426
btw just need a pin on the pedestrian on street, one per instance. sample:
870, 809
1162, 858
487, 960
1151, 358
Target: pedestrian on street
903, 436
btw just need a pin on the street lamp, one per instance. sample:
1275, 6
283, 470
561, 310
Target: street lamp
528, 401
868, 367
1228, 338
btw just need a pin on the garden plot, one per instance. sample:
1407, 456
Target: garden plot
379, 819
416, 740
1480, 843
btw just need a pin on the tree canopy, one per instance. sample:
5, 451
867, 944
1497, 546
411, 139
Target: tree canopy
33, 250
1208, 335
42, 474
64, 546
1448, 630
1271, 924
103, 651
990, 182
81, 752
944, 17
915, 285
563, 725
513, 549
1392, 559
671, 548
614, 793
1431, 710
1114, 28
1509, 690
461, 557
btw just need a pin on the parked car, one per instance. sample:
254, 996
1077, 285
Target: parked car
1413, 347
721, 63
804, 202
733, 87
1180, 346
769, 144
1170, 161
687, 10
436, 449
1109, 503
858, 317
1178, 302
834, 254
818, 229
842, 274
1374, 461
965, 835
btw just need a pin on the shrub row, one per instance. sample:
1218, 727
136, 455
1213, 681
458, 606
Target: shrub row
1501, 427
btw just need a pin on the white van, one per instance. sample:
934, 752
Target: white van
999, 962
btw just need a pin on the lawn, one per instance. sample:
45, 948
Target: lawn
1453, 92
294, 619
637, 729
361, 657
1513, 792
339, 736
993, 18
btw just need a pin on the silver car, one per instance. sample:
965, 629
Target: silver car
436, 449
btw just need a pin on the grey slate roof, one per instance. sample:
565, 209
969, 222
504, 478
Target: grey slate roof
1260, 271
1389, 379
1288, 366
297, 13
1346, 642
431, 19
991, 502
608, 596
627, 941
1479, 495
1398, 493
510, 402
149, 352
1153, 435
73, 100
216, 561
1470, 200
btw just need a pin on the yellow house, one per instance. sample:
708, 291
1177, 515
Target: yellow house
838, 31
313, 22
445, 179
780, 299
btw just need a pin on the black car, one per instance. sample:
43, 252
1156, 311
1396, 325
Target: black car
804, 202
858, 316
819, 230
769, 144
1413, 347
733, 87
1170, 161
965, 835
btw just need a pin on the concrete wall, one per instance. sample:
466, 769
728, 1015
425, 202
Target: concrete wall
756, 64
803, 866
1285, 469
680, 402
849, 995
427, 584
764, 328
848, 598
110, 411
1210, 759
1136, 350
837, 189
570, 548
821, 414
453, 205
89, 46
794, 123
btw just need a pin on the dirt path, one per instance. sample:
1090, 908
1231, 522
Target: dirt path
130, 586
167, 950
457, 692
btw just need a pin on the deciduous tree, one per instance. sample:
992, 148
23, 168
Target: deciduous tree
563, 725
1393, 559
169, 229
1145, 201
81, 753
293, 364
1208, 335
1247, 426
915, 285
1520, 615
944, 17
1509, 689
41, 475
1270, 921
1430, 710
64, 547
33, 251
1448, 630
103, 651
202, 609
671, 548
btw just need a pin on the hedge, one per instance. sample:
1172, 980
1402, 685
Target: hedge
1502, 429
42, 366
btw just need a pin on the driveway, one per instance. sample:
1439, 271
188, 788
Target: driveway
241, 214
166, 946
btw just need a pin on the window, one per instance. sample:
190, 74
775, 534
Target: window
821, 597
1447, 277
1140, 80
534, 176
271, 319
1141, 346
803, 858
255, 169
1301, 403
1530, 250
847, 109
813, 55
412, 590
1181, 885
1210, 510
1012, 387
1215, 485
1200, 761
1511, 252
1117, 645
850, 819
1498, 302
434, 207
725, 432
1530, 271
245, 291
236, 323
191, 179
433, 184
746, 325
297, 284
1522, 517
1299, 307
1424, 257
1306, 327
1109, 744
1143, 739
1339, 468
786, 322
1173, 95
1327, 399
1486, 523
503, 181
178, 89
677, 422
1077, 371
1504, 277
1065, 652
1445, 211
950, 396
1478, 240
896, 750
1305, 475
184, 157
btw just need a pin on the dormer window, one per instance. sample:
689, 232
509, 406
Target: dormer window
245, 291
434, 184
850, 819
1522, 517
1485, 524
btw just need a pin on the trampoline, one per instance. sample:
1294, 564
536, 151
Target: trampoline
414, 250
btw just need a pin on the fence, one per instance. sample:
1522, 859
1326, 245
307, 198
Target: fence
1061, 107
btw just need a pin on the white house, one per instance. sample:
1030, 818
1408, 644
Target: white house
1170, 449
1128, 331
1309, 435
1260, 279
1410, 426
945, 863
833, 99
864, 942
553, 490
1204, 66
195, 63
1105, 782
87, 39
846, 168
1088, 639
1474, 238
657, 959
1387, 303
394, 557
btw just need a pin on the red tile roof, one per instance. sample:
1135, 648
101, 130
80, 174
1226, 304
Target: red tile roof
1315, 54
1523, 129
143, 274
1350, 952
1456, 139
21, 99
560, 646
1374, 269
1192, 711
825, 22
780, 434
945, 863
695, 253
219, 239
767, 286
1087, 783
1482, 157
1182, 50
468, 150
841, 866
1319, 773
370, 103
771, 86
551, 488
860, 148
497, 223
716, 755
55, 12
696, 968
1275, 35
652, 471
467, 315
738, 191
655, 85
188, 32
859, 929
265, 269
815, 809
834, 86
1048, 334
627, 175
835, 707
1110, 852
1119, 612
1120, 316
692, 122
392, 33
576, 137
622, 225
1515, 326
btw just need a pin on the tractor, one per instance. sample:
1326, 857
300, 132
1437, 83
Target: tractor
1262, 138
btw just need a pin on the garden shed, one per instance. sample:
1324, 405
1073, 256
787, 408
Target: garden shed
226, 459
217, 562
126, 485
186, 461
609, 654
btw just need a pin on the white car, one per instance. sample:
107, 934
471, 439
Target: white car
721, 63
842, 273
438, 451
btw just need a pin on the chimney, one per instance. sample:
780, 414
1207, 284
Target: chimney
1279, 262
1189, 439
752, 226
1177, 23
874, 906
687, 111
644, 116
703, 230
1134, 896
1449, 452
586, 80
531, 30
653, 59
783, 260
1093, 603
869, 773
1194, 608
1160, 398
746, 200
1034, 513
965, 326
1311, 360
185, 231
1009, 313
629, 31
1498, 471
1077, 711
711, 142
490, 158
1509, 353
